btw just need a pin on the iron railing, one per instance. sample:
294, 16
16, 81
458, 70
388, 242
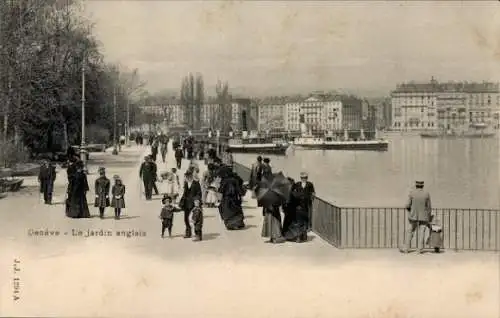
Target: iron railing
362, 227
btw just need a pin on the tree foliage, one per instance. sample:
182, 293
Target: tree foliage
45, 46
225, 113
192, 98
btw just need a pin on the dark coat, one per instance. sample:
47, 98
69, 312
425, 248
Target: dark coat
167, 212
76, 204
267, 171
197, 218
118, 200
102, 186
189, 195
148, 171
179, 154
303, 195
46, 178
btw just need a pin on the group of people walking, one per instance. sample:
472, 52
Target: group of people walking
105, 194
296, 209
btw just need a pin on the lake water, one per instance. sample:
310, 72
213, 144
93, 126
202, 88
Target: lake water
462, 173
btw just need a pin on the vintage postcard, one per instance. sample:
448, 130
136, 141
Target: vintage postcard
254, 159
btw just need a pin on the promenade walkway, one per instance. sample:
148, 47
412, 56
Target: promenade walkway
229, 274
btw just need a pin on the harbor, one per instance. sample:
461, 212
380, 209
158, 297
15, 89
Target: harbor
458, 172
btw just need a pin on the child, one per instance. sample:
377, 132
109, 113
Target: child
102, 186
197, 218
173, 184
118, 193
167, 215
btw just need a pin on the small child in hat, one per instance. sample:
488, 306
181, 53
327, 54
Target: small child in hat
167, 215
118, 199
197, 218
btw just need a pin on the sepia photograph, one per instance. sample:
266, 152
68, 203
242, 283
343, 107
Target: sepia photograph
253, 159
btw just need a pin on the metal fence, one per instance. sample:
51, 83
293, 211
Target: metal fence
361, 227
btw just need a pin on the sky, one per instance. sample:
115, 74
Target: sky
290, 47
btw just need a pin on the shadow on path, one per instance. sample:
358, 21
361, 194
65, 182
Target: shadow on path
210, 236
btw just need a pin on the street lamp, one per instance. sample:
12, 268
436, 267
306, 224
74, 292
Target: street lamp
115, 149
83, 150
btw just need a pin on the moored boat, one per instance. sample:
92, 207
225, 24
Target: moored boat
328, 143
258, 146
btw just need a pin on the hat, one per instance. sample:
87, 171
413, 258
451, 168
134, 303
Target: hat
304, 174
419, 183
116, 177
101, 169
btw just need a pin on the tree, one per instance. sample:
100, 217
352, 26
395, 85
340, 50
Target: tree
224, 110
192, 98
45, 46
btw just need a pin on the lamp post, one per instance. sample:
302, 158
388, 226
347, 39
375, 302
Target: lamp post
127, 124
83, 150
115, 149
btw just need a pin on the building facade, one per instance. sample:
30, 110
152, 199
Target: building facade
271, 114
452, 105
352, 112
172, 112
319, 114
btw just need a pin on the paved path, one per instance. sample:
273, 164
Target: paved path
229, 274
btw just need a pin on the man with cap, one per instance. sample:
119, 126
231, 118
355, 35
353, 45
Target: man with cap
420, 209
303, 191
147, 173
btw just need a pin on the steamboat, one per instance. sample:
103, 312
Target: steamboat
332, 143
335, 142
258, 145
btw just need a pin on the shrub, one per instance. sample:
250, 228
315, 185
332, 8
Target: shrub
11, 154
97, 135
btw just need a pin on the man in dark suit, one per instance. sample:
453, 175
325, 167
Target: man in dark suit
46, 178
304, 193
178, 156
420, 208
147, 173
192, 191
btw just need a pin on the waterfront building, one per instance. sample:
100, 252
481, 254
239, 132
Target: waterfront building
320, 113
231, 115
352, 112
245, 114
171, 112
434, 105
386, 113
271, 114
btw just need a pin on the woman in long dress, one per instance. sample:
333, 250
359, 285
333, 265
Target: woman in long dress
272, 224
230, 206
76, 204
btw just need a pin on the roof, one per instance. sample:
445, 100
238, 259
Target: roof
436, 87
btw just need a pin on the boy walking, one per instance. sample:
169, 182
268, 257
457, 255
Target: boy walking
167, 215
197, 218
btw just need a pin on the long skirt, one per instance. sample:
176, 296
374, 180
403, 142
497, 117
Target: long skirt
231, 213
118, 203
211, 197
271, 227
76, 207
